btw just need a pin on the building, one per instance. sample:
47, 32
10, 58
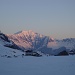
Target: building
32, 53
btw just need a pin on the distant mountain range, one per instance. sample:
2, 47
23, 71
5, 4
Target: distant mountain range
29, 40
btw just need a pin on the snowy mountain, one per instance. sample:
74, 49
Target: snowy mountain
57, 46
29, 40
69, 43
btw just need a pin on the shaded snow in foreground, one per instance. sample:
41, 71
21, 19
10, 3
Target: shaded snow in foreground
52, 65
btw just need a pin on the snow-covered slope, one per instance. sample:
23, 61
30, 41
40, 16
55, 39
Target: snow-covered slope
8, 52
6, 46
69, 43
5, 41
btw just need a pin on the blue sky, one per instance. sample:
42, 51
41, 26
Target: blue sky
55, 18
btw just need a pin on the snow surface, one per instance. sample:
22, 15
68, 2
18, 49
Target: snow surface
29, 65
38, 66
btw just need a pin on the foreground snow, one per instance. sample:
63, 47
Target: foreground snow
52, 65
29, 65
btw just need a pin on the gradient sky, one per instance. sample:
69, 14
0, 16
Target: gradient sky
55, 18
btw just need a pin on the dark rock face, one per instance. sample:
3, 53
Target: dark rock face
4, 37
63, 53
13, 46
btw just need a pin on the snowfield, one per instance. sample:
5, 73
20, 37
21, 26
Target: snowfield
28, 65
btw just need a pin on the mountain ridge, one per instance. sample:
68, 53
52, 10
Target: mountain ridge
33, 40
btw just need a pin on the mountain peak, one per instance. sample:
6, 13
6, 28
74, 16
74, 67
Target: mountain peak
28, 33
24, 32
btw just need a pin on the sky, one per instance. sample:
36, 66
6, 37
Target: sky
55, 18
